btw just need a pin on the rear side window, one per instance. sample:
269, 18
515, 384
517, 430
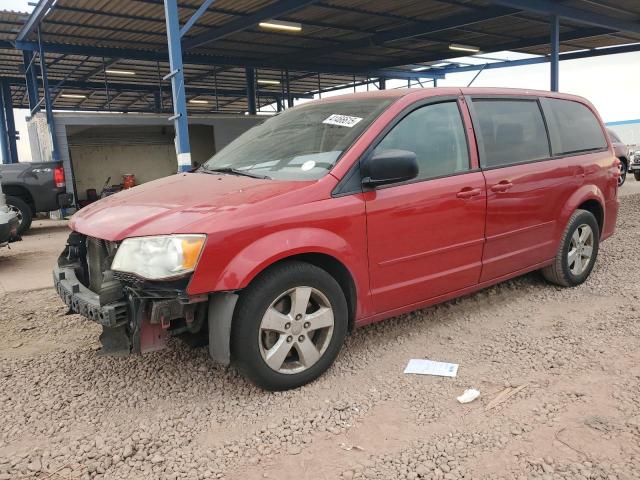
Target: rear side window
574, 127
435, 133
510, 132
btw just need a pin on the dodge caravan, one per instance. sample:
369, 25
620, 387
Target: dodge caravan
342, 212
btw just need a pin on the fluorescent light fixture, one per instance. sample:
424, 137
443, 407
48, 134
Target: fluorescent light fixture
199, 102
268, 82
281, 25
421, 69
72, 95
463, 48
120, 72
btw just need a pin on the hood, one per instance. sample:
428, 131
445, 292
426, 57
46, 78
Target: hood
171, 204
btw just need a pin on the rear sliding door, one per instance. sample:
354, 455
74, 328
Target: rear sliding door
526, 187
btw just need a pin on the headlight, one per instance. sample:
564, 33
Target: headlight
158, 258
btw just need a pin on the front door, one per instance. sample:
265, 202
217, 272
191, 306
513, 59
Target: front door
425, 237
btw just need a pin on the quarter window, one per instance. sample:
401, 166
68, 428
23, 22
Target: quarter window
435, 133
510, 132
577, 128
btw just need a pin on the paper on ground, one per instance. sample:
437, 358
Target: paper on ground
431, 367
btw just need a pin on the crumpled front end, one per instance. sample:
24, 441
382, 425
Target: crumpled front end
137, 316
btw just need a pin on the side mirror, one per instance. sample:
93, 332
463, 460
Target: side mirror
389, 166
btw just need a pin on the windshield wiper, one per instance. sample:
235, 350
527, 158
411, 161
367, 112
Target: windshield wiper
235, 171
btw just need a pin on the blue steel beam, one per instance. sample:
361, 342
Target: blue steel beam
195, 17
511, 45
555, 52
9, 120
180, 120
31, 79
250, 77
35, 18
544, 59
276, 9
200, 59
422, 29
47, 104
139, 87
547, 7
4, 139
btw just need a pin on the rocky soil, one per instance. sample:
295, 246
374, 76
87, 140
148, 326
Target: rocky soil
570, 357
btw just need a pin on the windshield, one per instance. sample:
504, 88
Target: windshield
303, 143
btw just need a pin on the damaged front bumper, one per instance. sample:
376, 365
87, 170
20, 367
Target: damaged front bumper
136, 316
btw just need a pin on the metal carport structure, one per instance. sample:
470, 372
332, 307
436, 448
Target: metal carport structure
306, 47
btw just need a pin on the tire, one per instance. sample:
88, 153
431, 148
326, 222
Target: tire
636, 174
623, 172
252, 342
564, 272
23, 210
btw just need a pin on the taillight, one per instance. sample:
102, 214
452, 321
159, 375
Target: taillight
58, 176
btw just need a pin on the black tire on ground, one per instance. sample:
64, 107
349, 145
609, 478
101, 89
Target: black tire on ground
636, 174
23, 210
252, 305
559, 271
623, 172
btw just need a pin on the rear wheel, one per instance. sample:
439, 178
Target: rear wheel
636, 174
577, 252
289, 326
623, 172
23, 210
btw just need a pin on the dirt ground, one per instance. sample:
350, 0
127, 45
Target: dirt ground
568, 358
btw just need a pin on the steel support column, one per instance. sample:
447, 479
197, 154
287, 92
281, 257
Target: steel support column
382, 83
555, 52
4, 140
180, 120
10, 122
31, 80
288, 88
250, 77
47, 102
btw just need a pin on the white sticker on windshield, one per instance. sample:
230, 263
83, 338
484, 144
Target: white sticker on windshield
308, 165
342, 120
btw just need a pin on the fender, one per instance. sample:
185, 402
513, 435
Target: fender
259, 255
583, 194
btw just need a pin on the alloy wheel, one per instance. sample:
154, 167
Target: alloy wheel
296, 330
580, 249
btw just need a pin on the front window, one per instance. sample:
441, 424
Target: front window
303, 143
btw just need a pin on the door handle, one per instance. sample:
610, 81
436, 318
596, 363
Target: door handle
468, 192
502, 186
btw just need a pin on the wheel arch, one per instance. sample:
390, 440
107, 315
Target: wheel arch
333, 267
589, 198
21, 192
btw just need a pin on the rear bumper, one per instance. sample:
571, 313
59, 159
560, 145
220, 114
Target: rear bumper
633, 167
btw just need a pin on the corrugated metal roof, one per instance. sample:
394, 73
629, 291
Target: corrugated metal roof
343, 34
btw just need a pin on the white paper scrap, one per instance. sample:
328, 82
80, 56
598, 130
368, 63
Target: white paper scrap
421, 366
341, 120
469, 395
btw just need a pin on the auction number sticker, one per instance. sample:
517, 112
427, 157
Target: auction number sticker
342, 120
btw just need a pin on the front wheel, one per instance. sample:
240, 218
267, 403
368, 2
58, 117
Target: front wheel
577, 252
636, 174
289, 326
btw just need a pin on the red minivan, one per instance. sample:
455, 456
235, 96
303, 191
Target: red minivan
342, 212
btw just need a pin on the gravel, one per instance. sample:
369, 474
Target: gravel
66, 413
